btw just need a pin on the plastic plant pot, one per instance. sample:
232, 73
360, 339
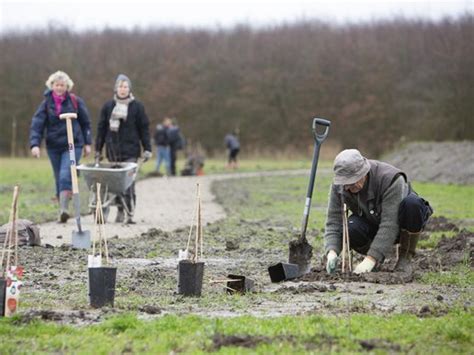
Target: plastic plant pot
190, 276
102, 286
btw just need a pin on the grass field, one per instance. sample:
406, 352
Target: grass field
287, 335
260, 203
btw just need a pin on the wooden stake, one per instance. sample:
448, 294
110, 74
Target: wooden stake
198, 225
346, 249
13, 240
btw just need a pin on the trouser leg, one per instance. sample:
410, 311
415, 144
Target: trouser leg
361, 234
173, 161
55, 159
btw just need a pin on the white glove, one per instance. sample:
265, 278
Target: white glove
331, 262
365, 266
146, 155
35, 151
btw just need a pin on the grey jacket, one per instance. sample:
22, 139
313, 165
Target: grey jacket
378, 202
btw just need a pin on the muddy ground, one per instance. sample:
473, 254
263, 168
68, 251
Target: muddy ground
56, 278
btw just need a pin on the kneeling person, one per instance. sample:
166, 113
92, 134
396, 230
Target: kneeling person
385, 210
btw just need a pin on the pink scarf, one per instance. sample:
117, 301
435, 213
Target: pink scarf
58, 100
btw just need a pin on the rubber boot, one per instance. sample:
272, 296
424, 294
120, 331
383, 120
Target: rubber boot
130, 219
64, 197
408, 242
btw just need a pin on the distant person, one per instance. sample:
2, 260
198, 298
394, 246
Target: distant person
176, 142
194, 165
123, 128
384, 210
57, 100
232, 144
163, 146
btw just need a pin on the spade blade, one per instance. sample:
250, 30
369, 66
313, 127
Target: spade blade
81, 239
301, 253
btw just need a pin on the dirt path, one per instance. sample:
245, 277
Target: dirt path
162, 203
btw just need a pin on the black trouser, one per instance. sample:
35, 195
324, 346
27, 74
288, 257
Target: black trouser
129, 195
413, 214
233, 155
173, 153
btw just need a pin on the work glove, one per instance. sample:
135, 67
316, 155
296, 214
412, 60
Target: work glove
365, 266
331, 262
147, 155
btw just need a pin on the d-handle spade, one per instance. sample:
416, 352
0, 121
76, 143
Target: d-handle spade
81, 239
301, 251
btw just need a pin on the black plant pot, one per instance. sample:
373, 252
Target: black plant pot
102, 286
190, 277
283, 272
3, 293
241, 284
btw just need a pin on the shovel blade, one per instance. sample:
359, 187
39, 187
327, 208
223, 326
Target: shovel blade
301, 253
81, 240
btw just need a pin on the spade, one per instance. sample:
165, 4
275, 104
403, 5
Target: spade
301, 251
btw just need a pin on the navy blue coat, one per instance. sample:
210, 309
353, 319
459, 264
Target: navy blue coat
45, 119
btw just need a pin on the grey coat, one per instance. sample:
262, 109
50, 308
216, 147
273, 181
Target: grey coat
378, 202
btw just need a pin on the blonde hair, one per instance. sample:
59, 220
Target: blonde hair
59, 76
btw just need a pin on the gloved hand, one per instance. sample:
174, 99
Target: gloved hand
146, 155
331, 262
365, 266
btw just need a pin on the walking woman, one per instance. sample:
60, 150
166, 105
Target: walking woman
123, 129
57, 100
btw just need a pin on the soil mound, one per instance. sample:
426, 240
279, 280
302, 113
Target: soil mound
443, 162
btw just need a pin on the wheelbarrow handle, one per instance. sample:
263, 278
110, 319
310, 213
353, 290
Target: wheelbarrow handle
320, 137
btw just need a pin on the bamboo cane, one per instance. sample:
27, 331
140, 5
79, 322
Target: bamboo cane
343, 237
15, 233
346, 248
193, 222
13, 228
201, 229
348, 245
196, 238
6, 242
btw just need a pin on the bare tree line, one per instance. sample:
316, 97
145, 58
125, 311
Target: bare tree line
377, 82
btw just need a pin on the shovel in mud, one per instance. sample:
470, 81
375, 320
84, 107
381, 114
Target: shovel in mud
301, 251
81, 239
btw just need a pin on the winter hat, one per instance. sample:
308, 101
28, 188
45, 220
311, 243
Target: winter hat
120, 78
349, 167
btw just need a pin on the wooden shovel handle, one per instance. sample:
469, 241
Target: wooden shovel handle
70, 140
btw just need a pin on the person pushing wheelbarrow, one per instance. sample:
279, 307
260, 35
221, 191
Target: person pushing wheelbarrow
123, 129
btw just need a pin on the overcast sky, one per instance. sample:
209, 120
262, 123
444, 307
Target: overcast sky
87, 14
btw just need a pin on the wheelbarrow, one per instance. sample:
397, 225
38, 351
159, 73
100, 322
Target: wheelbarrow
115, 179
